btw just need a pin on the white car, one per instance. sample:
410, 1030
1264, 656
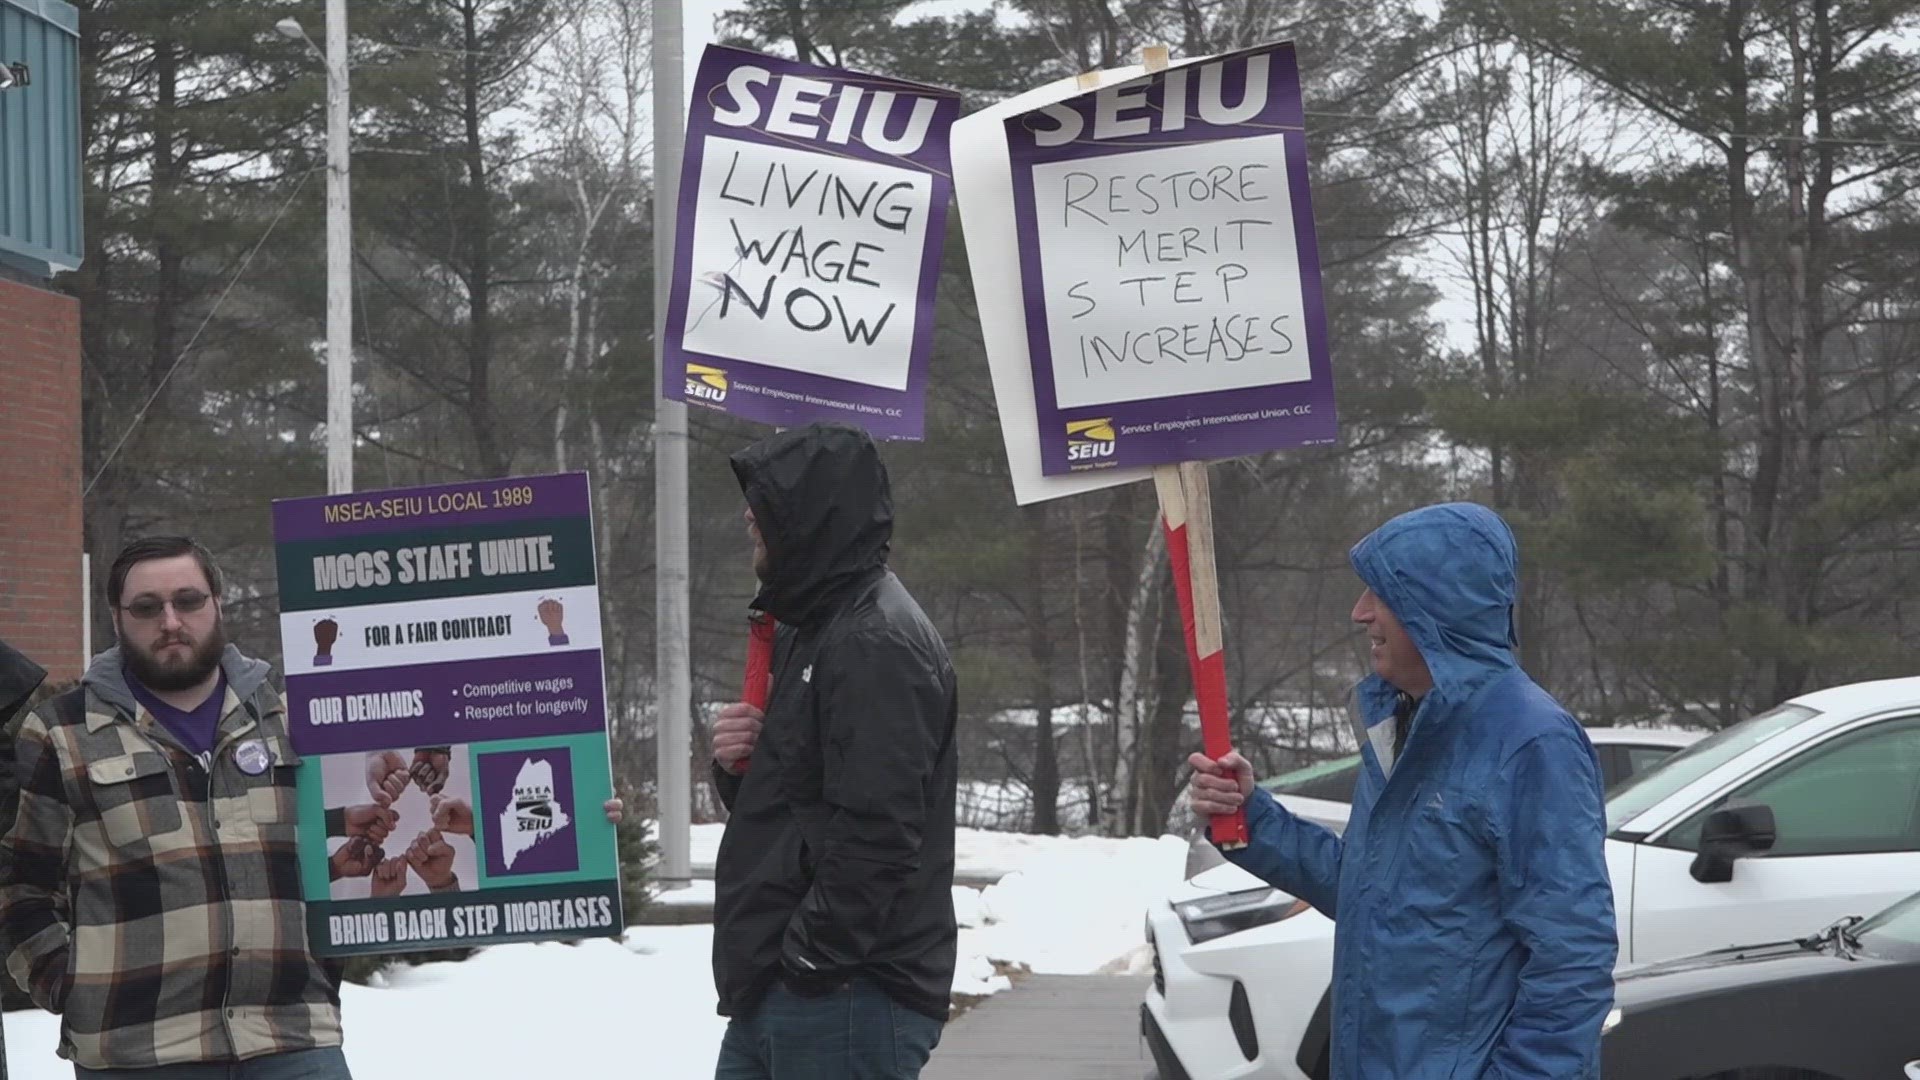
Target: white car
1324, 792
1799, 816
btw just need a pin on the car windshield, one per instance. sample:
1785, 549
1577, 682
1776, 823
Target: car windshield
1899, 926
1639, 793
1332, 780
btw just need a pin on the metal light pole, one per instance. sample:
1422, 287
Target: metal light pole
339, 248
673, 680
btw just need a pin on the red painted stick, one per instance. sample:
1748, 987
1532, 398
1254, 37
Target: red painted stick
1187, 514
759, 677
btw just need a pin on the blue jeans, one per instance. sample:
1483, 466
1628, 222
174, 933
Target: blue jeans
854, 1032
326, 1063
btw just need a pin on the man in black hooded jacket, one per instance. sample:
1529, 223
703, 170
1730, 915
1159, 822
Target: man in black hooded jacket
834, 936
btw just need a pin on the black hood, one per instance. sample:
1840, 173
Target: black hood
19, 678
820, 497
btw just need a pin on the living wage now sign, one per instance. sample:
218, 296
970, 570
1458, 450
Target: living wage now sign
813, 205
1169, 266
446, 696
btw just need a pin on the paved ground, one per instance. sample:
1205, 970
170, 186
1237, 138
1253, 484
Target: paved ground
1050, 1027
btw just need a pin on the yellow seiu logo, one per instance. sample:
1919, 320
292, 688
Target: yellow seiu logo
706, 383
1089, 440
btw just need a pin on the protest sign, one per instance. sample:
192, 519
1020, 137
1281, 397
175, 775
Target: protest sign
813, 208
1168, 306
1170, 272
446, 696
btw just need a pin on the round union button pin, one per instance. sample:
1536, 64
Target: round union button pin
252, 757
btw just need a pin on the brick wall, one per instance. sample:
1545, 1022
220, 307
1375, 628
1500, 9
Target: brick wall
40, 538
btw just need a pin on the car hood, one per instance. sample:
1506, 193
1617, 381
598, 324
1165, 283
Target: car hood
1210, 874
1325, 812
1746, 967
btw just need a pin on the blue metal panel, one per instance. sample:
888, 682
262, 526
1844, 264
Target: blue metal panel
40, 210
60, 14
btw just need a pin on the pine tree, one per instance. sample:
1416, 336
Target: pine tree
1788, 168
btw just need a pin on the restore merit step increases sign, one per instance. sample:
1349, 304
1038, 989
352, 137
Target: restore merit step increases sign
1170, 269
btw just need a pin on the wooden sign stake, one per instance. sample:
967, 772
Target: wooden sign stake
1186, 512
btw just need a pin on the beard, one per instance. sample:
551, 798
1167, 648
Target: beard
184, 673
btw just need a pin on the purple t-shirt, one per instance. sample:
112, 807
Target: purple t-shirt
195, 729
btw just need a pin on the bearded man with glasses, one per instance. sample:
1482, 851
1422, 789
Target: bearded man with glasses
150, 886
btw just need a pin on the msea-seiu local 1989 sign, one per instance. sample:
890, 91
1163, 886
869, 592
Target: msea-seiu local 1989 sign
1171, 276
813, 204
445, 694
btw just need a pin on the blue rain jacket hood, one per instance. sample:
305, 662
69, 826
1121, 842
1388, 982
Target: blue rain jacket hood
1474, 924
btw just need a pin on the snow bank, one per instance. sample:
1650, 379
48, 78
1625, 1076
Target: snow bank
1062, 905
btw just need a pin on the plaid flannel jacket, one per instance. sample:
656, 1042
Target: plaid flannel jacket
154, 899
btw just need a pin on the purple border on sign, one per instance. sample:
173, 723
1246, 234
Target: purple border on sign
478, 502
899, 414
1310, 418
443, 695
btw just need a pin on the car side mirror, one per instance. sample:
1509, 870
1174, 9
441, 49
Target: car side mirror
1728, 834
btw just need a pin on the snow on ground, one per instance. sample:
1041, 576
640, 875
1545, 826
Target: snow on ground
600, 1008
997, 854
698, 893
645, 1006
978, 853
1077, 905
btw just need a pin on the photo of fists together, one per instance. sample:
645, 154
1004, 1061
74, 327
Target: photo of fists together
399, 822
389, 772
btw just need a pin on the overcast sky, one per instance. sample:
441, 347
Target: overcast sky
698, 17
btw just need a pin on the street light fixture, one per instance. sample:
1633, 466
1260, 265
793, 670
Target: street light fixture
339, 247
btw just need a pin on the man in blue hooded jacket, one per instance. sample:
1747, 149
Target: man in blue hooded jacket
1474, 933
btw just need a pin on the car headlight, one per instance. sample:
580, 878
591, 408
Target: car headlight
1612, 1021
1230, 913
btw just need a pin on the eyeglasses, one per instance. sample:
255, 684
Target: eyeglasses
184, 602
